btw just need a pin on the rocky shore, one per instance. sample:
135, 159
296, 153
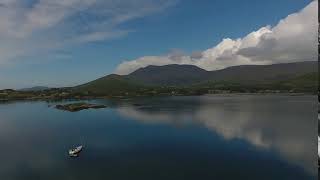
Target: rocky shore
74, 107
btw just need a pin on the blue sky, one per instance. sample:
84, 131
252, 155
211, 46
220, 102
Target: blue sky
89, 42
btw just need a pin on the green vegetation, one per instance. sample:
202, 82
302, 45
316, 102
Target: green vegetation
306, 83
109, 86
49, 94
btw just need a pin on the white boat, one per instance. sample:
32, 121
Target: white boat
75, 152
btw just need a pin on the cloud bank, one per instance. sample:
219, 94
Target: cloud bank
41, 26
293, 39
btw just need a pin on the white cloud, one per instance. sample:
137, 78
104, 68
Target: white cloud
40, 26
294, 38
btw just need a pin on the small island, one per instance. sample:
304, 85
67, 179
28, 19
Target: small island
74, 107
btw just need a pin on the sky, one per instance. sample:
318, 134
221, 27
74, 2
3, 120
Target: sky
66, 43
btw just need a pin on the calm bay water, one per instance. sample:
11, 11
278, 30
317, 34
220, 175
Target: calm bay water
203, 137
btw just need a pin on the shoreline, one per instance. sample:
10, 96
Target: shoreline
138, 96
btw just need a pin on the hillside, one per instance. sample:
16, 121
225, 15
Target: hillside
111, 84
264, 73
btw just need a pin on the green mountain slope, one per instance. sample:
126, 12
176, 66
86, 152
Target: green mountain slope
303, 83
252, 74
110, 85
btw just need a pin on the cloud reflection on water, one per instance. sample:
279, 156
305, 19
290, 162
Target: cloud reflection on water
281, 124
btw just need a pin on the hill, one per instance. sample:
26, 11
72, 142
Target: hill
110, 85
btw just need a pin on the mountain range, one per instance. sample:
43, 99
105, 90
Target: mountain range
298, 76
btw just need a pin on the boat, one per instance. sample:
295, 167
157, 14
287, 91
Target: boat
76, 151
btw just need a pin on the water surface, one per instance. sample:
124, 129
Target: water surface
201, 137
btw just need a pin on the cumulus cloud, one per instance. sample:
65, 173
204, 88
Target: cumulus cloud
293, 39
33, 27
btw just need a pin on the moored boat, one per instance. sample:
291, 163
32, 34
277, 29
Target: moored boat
75, 152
